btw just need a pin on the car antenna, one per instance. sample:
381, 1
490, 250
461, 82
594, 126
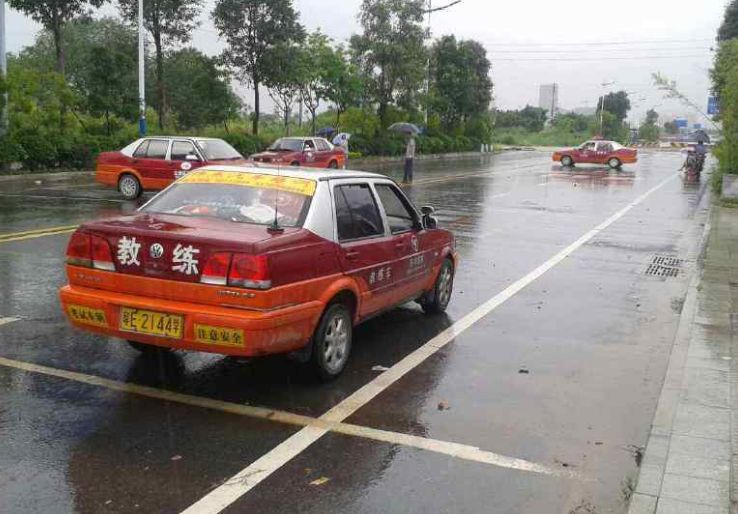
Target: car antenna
274, 228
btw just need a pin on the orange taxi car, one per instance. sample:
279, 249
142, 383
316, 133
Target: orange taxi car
597, 152
250, 261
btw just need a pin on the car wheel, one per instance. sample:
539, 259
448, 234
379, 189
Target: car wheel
148, 349
567, 161
614, 163
294, 163
332, 342
333, 165
437, 300
129, 187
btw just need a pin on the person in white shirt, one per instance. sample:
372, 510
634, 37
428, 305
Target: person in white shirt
409, 160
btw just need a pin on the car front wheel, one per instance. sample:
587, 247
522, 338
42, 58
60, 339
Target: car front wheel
333, 165
614, 163
129, 187
437, 300
567, 161
332, 342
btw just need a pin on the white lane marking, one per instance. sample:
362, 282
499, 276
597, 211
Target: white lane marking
241, 483
5, 321
458, 450
501, 195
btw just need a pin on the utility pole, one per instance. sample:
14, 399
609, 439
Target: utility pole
141, 72
3, 71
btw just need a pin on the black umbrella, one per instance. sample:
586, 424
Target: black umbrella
325, 132
402, 127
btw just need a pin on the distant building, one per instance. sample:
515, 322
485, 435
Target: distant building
549, 99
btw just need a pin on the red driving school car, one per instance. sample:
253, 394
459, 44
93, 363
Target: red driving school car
252, 261
155, 162
311, 152
597, 152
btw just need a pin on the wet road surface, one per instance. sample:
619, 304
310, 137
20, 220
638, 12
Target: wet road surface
562, 373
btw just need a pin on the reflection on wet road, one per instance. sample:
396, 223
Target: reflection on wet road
563, 373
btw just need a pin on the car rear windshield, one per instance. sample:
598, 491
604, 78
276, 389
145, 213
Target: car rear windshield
288, 145
218, 150
255, 204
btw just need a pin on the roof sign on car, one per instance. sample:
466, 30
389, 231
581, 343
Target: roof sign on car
300, 186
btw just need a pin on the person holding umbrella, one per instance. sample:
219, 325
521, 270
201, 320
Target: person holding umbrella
342, 142
410, 131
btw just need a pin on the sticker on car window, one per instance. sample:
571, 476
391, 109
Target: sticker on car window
289, 184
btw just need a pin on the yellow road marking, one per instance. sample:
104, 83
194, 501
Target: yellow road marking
33, 234
461, 451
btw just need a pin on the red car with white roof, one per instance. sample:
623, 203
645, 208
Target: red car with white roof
152, 163
310, 152
597, 151
250, 261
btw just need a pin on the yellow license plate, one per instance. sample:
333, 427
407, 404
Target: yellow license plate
87, 315
219, 335
151, 322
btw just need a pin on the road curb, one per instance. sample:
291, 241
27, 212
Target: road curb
46, 176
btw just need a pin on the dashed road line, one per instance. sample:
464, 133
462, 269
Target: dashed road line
249, 477
5, 321
461, 451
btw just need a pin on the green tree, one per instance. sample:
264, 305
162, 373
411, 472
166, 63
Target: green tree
342, 83
199, 91
285, 79
652, 117
460, 84
729, 28
617, 104
725, 86
390, 52
670, 127
315, 58
532, 119
252, 28
170, 22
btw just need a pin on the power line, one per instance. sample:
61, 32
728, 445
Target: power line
603, 43
575, 59
691, 49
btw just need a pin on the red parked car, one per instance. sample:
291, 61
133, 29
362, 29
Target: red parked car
254, 261
597, 152
152, 163
311, 152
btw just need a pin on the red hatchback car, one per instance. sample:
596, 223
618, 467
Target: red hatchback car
310, 152
597, 152
251, 261
152, 163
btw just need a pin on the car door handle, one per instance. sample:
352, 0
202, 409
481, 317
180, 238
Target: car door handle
352, 255
401, 245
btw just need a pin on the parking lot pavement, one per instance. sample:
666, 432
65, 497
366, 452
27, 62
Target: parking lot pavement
533, 393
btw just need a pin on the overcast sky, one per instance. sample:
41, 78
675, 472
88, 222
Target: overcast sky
577, 43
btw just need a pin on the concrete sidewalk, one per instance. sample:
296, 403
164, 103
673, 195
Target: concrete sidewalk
690, 462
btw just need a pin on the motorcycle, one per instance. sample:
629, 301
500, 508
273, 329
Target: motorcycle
693, 165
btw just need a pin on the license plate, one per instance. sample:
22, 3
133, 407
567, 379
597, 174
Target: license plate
219, 335
151, 322
87, 315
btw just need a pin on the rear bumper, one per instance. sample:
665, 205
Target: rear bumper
264, 332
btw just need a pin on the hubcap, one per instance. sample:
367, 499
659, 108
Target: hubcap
336, 342
444, 285
128, 186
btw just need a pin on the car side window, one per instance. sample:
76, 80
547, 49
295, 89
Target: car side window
357, 214
309, 145
322, 145
588, 146
604, 147
141, 150
400, 216
157, 149
181, 149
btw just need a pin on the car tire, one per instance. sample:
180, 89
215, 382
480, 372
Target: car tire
567, 161
333, 165
129, 186
294, 163
436, 301
331, 343
148, 349
614, 163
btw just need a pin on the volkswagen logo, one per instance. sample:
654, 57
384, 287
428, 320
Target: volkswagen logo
156, 250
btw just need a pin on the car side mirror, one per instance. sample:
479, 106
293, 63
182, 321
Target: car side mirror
191, 157
429, 221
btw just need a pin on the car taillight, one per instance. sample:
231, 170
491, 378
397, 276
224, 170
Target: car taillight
102, 257
251, 271
216, 269
237, 270
78, 250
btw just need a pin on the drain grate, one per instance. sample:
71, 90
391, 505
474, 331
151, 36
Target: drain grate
664, 266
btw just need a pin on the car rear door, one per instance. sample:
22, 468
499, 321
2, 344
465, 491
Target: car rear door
323, 152
411, 252
602, 153
367, 251
150, 161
